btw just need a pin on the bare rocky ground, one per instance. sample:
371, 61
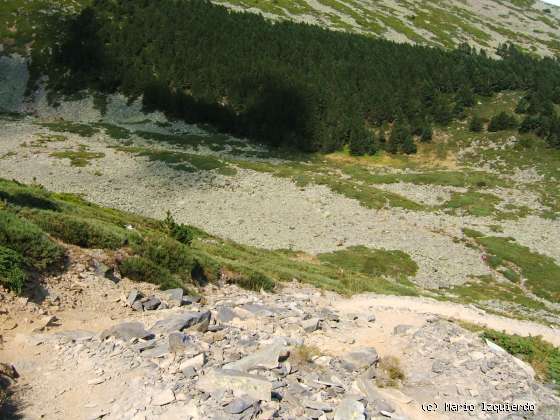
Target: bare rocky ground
236, 354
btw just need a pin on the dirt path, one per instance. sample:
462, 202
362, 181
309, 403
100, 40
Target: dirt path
412, 305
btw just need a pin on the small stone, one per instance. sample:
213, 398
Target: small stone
96, 381
239, 405
181, 322
189, 300
127, 331
310, 325
151, 304
370, 318
401, 329
317, 405
164, 398
438, 367
174, 297
265, 358
138, 306
179, 342
196, 362
133, 296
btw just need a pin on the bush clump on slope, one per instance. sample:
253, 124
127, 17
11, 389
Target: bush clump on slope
12, 271
38, 250
79, 231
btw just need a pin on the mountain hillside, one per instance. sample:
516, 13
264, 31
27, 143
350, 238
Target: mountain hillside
534, 25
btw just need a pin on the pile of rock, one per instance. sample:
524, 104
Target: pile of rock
172, 298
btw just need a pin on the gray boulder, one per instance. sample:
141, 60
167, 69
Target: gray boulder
360, 359
180, 322
151, 304
174, 297
127, 331
179, 342
239, 405
265, 358
310, 325
133, 296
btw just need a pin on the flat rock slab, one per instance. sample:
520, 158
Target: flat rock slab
349, 409
254, 386
127, 331
361, 358
180, 322
265, 358
239, 405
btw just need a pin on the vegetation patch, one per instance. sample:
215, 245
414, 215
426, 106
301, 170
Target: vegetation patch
541, 272
84, 130
79, 158
87, 233
372, 262
28, 240
540, 354
473, 203
12, 270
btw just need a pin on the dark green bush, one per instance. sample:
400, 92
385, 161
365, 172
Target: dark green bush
87, 233
183, 233
167, 253
30, 241
502, 121
142, 269
12, 272
427, 134
476, 124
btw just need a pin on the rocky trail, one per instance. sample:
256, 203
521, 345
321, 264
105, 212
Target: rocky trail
97, 346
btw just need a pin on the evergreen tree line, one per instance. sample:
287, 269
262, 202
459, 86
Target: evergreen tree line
281, 83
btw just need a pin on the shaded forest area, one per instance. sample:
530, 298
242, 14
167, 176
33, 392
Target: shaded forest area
283, 83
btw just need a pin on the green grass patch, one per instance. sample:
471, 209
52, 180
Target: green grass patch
79, 158
372, 262
84, 130
114, 131
541, 272
473, 203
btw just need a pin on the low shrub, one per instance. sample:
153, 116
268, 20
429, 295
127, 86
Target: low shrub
476, 125
167, 253
30, 241
142, 269
183, 233
87, 233
502, 121
12, 272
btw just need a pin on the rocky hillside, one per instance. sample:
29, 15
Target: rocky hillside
127, 351
534, 25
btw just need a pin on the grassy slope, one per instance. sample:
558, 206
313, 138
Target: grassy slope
70, 219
